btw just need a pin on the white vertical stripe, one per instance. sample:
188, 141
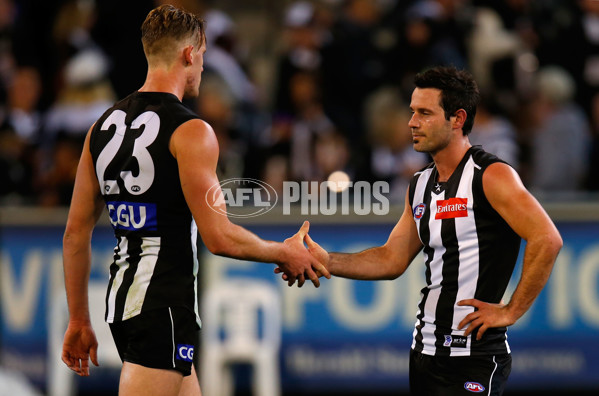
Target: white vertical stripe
123, 264
492, 374
436, 242
420, 190
468, 254
418, 198
415, 332
172, 334
196, 266
150, 247
428, 330
436, 269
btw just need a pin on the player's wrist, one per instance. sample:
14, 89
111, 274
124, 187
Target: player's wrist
281, 253
80, 321
512, 313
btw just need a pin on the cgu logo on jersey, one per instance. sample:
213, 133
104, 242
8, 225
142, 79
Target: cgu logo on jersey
474, 387
452, 208
132, 216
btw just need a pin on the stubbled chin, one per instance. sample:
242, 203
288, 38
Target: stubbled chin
417, 146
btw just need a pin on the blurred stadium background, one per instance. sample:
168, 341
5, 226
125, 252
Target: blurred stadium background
296, 90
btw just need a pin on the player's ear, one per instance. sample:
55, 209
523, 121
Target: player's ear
460, 118
188, 55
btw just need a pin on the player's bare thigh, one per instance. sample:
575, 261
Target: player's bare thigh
138, 380
190, 385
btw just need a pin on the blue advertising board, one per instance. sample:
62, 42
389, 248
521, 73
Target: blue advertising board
357, 334
31, 276
345, 335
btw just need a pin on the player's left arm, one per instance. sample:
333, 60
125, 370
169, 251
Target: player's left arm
508, 196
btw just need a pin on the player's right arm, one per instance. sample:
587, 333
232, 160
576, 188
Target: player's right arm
195, 147
86, 207
388, 261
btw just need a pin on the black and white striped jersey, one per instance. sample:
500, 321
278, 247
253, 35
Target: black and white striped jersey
155, 260
469, 252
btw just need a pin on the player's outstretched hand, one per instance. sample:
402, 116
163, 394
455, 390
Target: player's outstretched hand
79, 346
300, 262
485, 316
317, 252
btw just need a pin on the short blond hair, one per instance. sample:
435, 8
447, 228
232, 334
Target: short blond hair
167, 24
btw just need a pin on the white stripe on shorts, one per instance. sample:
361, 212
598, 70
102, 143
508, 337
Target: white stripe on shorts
493, 373
172, 334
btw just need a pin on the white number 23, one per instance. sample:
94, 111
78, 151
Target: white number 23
135, 185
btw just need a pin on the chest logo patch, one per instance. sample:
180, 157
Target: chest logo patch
452, 208
419, 211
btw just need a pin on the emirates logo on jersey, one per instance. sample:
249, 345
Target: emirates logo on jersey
452, 208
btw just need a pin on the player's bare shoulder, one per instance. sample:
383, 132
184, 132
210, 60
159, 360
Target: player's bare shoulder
499, 175
194, 134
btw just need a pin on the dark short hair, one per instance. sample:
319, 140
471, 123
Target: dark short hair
458, 91
169, 22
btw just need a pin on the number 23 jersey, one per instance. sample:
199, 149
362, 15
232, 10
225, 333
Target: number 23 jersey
155, 260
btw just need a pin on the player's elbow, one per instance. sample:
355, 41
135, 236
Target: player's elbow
554, 243
219, 242
392, 264
548, 243
216, 245
394, 272
72, 236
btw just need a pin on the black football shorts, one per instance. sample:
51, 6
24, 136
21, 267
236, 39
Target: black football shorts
458, 375
164, 338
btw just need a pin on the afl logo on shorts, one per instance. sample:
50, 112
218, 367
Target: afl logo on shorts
419, 211
474, 387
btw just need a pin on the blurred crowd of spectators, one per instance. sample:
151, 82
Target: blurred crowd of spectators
298, 89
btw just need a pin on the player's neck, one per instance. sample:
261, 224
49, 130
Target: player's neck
448, 159
161, 80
